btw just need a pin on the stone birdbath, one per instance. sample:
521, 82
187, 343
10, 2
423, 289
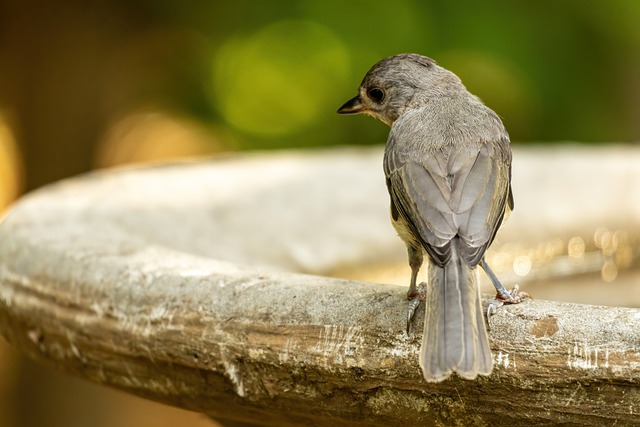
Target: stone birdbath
211, 285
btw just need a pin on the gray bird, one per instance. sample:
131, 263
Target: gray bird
447, 165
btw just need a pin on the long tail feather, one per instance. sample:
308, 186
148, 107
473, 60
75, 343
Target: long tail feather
455, 337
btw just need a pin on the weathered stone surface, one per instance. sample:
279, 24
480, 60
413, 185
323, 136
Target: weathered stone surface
181, 283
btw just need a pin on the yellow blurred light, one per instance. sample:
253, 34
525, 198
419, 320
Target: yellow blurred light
602, 238
154, 137
522, 265
576, 247
624, 256
609, 271
10, 166
500, 260
280, 79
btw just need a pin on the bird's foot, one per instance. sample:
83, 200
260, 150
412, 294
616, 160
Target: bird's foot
506, 297
415, 297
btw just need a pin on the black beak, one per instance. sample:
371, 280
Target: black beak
352, 106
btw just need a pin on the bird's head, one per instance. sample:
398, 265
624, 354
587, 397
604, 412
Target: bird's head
398, 83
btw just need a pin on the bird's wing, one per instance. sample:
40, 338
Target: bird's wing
462, 190
420, 196
481, 193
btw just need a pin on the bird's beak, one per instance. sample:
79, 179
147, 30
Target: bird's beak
352, 106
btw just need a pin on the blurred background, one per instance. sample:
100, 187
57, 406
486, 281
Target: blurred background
87, 85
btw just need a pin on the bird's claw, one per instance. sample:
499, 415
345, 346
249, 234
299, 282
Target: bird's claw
506, 297
414, 302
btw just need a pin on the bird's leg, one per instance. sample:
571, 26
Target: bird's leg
414, 302
414, 294
503, 296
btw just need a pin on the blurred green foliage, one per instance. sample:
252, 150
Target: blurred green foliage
273, 73
553, 70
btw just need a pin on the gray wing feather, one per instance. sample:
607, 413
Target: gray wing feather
466, 197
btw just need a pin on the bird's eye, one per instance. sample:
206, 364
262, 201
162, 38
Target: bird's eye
376, 94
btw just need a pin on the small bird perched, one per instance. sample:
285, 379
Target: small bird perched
447, 165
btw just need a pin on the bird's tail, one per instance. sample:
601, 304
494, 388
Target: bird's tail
455, 338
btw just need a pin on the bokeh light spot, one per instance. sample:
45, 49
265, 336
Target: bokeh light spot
522, 265
10, 166
602, 238
575, 247
609, 271
155, 136
278, 80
